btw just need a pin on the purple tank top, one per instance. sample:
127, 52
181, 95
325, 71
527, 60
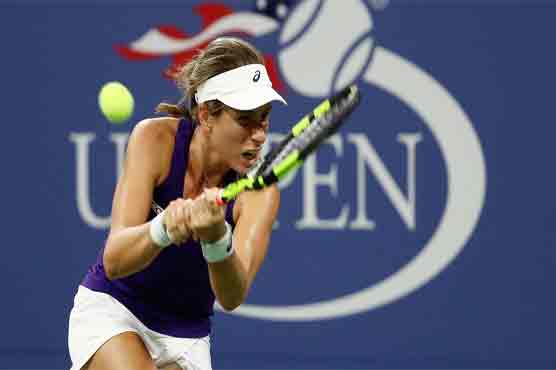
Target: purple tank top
173, 295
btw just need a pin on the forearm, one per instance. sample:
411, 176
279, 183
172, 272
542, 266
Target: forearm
229, 281
234, 260
128, 251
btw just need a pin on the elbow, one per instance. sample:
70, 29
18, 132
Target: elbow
230, 305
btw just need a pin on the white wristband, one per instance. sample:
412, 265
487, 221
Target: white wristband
219, 250
158, 232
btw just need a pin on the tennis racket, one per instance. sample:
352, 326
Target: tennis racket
303, 139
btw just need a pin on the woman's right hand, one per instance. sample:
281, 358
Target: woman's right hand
176, 220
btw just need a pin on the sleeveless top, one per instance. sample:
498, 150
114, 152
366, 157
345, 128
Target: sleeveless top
172, 295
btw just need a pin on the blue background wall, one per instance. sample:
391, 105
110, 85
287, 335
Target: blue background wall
491, 305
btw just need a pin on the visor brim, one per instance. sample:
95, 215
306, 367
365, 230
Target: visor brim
251, 98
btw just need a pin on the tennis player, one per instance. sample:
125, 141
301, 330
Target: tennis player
147, 302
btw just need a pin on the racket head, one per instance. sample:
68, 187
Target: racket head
295, 131
307, 141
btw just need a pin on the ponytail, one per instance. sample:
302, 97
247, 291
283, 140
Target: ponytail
179, 110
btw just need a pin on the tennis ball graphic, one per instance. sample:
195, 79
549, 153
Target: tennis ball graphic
116, 102
326, 45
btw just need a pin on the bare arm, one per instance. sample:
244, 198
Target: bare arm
129, 247
231, 279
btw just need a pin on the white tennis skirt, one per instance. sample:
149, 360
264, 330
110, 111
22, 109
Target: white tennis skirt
96, 317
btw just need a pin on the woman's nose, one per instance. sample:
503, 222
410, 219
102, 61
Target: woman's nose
258, 135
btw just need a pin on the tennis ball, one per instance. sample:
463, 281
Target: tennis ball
116, 102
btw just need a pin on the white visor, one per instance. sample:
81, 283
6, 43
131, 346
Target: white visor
243, 88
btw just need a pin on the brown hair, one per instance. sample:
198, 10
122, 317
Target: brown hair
220, 55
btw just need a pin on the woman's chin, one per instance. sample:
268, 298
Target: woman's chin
242, 171
241, 168
244, 165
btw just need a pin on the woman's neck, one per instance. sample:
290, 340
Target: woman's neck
205, 168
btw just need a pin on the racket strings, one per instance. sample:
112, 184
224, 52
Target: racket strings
320, 129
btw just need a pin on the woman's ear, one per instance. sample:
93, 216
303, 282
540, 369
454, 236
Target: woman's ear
205, 119
202, 114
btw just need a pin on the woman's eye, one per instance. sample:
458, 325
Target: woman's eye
253, 121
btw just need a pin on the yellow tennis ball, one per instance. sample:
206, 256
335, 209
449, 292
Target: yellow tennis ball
116, 102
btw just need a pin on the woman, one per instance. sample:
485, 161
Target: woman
147, 302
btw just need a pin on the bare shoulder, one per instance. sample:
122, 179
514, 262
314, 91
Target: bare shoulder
151, 143
155, 131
